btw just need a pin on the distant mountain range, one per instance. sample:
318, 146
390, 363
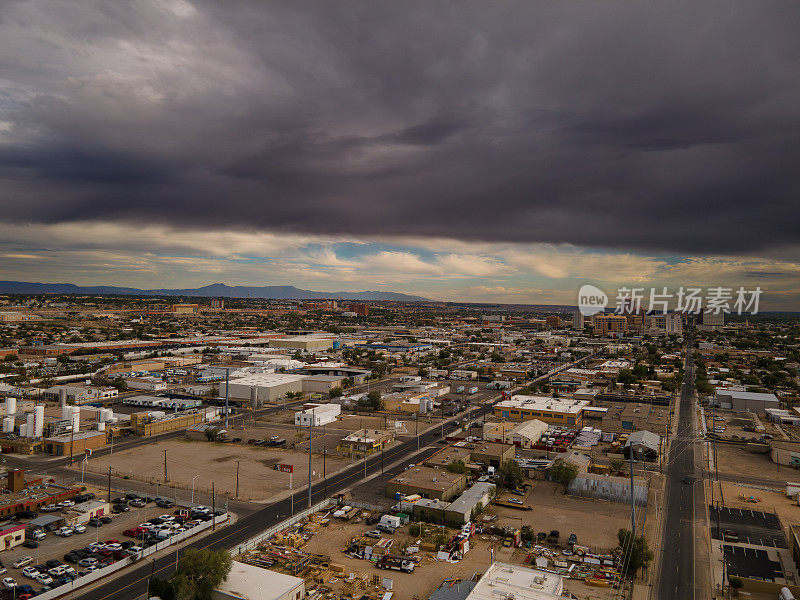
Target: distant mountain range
215, 290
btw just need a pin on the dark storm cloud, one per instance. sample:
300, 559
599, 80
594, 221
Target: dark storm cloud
671, 126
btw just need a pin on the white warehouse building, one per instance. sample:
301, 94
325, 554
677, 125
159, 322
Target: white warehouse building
267, 387
320, 414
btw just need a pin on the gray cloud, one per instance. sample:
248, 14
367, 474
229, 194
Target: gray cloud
662, 126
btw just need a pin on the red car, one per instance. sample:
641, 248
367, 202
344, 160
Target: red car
133, 532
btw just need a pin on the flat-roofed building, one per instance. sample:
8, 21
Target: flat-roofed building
322, 384
492, 454
318, 414
307, 343
434, 484
610, 324
747, 401
248, 582
268, 387
364, 441
74, 443
505, 581
556, 411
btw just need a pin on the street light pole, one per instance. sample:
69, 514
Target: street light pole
193, 478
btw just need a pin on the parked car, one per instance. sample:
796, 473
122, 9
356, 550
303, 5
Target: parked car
22, 561
64, 532
9, 583
120, 508
30, 572
105, 520
87, 562
30, 544
79, 529
44, 578
374, 533
138, 503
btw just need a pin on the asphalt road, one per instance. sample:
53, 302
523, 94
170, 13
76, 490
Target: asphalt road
683, 502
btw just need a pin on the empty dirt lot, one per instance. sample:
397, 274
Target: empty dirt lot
215, 462
595, 522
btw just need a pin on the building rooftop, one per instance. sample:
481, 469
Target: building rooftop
267, 379
504, 581
254, 583
427, 478
544, 403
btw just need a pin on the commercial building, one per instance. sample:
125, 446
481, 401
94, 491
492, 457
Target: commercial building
364, 441
318, 414
434, 484
712, 319
149, 384
556, 411
785, 453
522, 435
578, 320
610, 324
664, 323
746, 401
74, 443
184, 309
81, 513
266, 387
505, 581
11, 536
492, 454
336, 368
305, 343
645, 445
322, 384
632, 416
247, 582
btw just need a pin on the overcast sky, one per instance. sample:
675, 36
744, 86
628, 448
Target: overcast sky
500, 151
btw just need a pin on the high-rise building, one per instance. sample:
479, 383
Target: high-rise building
578, 320
712, 319
610, 324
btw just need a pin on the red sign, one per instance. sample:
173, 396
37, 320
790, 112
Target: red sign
283, 468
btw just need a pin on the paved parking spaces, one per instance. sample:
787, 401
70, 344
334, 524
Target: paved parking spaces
754, 527
751, 563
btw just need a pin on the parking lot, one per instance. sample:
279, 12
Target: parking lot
751, 563
54, 548
752, 526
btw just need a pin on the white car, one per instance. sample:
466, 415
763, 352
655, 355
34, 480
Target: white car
30, 572
57, 571
64, 532
719, 429
113, 547
87, 562
44, 579
78, 529
96, 545
718, 418
133, 550
22, 561
67, 503
9, 583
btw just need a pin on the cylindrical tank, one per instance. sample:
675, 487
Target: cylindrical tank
106, 414
254, 397
8, 425
66, 413
11, 406
75, 417
62, 396
423, 406
101, 426
786, 594
38, 420
23, 430
28, 425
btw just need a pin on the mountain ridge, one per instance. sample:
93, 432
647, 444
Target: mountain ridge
271, 292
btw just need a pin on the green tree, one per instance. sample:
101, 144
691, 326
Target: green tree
563, 471
213, 434
457, 466
199, 572
636, 553
161, 588
335, 392
372, 401
510, 475
616, 464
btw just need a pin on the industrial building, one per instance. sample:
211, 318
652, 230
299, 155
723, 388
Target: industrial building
610, 324
248, 582
11, 536
318, 414
434, 484
746, 401
78, 394
556, 411
262, 387
322, 384
304, 343
74, 444
149, 423
645, 445
522, 435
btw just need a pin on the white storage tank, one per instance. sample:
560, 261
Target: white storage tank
106, 414
76, 418
11, 406
38, 420
101, 426
28, 425
8, 425
23, 430
62, 396
66, 413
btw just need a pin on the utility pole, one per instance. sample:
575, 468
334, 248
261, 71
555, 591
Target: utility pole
109, 484
310, 440
633, 506
416, 428
71, 443
166, 479
213, 507
237, 479
324, 471
227, 394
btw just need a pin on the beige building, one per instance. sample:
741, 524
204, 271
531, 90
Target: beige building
435, 484
364, 441
248, 582
307, 343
